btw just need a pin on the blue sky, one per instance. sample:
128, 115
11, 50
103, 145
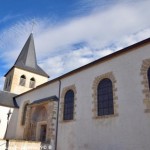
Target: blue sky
57, 10
70, 33
36, 8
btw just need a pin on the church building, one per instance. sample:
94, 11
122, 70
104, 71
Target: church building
104, 105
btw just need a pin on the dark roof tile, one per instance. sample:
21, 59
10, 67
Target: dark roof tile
7, 99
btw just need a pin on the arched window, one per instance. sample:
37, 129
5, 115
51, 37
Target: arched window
69, 105
148, 76
32, 83
9, 83
22, 80
24, 114
6, 83
105, 98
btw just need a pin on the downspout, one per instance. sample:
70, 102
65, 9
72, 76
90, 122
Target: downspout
57, 114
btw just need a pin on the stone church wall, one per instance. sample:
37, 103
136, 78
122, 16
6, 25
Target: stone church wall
128, 129
49, 90
16, 88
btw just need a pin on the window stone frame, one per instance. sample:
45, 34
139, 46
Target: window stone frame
23, 116
146, 91
63, 93
96, 82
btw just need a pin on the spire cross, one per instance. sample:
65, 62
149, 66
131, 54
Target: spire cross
33, 24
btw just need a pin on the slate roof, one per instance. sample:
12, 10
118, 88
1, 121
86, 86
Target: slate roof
27, 59
7, 99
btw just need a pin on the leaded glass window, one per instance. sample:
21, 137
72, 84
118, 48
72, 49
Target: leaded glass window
105, 97
69, 105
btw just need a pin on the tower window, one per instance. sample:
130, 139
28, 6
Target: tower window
105, 98
32, 83
6, 83
9, 83
69, 105
22, 80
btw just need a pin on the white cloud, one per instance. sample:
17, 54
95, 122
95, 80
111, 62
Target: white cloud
104, 32
98, 29
56, 62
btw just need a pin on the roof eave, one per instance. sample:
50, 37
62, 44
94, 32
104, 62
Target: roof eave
46, 75
8, 71
110, 56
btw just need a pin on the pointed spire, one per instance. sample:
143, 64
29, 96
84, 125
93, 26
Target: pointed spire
27, 58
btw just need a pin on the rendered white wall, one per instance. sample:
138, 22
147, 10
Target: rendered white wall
47, 91
3, 120
12, 126
128, 131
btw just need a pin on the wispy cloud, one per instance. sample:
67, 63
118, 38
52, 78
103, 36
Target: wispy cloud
103, 32
8, 18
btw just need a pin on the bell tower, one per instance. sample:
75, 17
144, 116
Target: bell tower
25, 74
